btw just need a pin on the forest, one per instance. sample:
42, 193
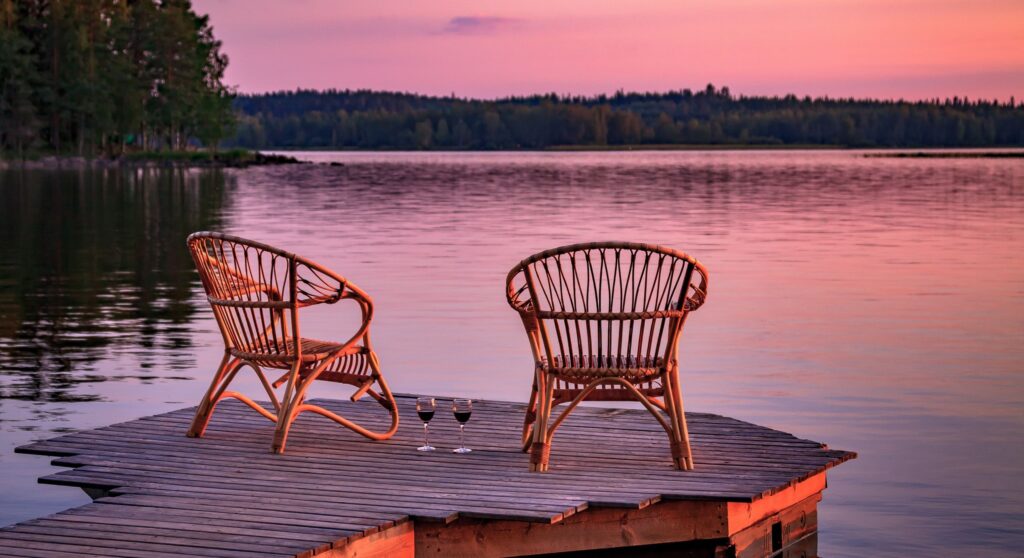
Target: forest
99, 77
344, 119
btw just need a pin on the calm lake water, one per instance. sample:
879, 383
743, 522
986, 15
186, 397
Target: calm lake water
873, 304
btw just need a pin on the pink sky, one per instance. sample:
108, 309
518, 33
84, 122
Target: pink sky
877, 48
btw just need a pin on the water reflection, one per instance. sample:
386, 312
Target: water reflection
876, 304
91, 266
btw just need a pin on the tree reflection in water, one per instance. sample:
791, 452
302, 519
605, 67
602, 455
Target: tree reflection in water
93, 263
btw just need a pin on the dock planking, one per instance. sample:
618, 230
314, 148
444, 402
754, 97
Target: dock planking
334, 493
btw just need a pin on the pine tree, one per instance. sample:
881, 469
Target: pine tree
442, 136
99, 74
18, 75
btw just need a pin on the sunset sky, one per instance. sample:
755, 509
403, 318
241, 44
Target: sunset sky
865, 48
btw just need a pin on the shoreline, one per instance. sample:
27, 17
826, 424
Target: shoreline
998, 151
237, 158
569, 148
187, 159
942, 154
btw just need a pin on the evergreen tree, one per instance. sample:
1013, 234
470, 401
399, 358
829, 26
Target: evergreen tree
91, 76
442, 134
424, 134
18, 76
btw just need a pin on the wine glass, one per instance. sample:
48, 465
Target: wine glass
462, 409
425, 407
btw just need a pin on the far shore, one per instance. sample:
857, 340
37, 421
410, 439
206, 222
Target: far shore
241, 158
944, 152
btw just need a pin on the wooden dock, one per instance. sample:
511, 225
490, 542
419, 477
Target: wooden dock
335, 494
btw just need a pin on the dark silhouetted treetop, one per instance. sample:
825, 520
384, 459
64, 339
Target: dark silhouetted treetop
103, 76
344, 119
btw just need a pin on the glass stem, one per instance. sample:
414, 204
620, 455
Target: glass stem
462, 435
426, 435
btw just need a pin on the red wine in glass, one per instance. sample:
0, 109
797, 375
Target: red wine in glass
425, 407
462, 409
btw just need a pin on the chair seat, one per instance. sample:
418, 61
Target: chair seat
583, 369
279, 355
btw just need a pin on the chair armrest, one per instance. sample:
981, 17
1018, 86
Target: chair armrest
518, 297
315, 284
698, 292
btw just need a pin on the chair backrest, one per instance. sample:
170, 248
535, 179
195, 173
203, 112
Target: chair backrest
249, 287
609, 304
256, 290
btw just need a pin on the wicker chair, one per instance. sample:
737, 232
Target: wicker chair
256, 292
604, 320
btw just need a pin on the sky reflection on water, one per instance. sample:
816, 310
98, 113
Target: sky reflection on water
873, 304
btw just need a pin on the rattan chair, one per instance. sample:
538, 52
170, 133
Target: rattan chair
604, 320
256, 292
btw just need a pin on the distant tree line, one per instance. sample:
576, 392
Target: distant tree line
103, 76
369, 119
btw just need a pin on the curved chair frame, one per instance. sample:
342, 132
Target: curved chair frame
615, 310
256, 292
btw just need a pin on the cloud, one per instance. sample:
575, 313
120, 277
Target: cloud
467, 25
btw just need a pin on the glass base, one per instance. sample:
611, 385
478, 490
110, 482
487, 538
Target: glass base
461, 450
426, 448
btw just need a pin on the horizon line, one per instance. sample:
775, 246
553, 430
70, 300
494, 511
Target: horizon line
1010, 100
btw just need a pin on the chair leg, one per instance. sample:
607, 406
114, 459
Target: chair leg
295, 394
205, 410
284, 424
386, 398
292, 399
682, 455
540, 448
530, 418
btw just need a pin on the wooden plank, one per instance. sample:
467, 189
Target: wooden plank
779, 534
647, 445
22, 550
761, 469
396, 542
222, 513
555, 487
310, 515
742, 516
99, 534
425, 494
437, 476
415, 504
757, 455
581, 425
591, 530
641, 423
229, 423
199, 525
127, 548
